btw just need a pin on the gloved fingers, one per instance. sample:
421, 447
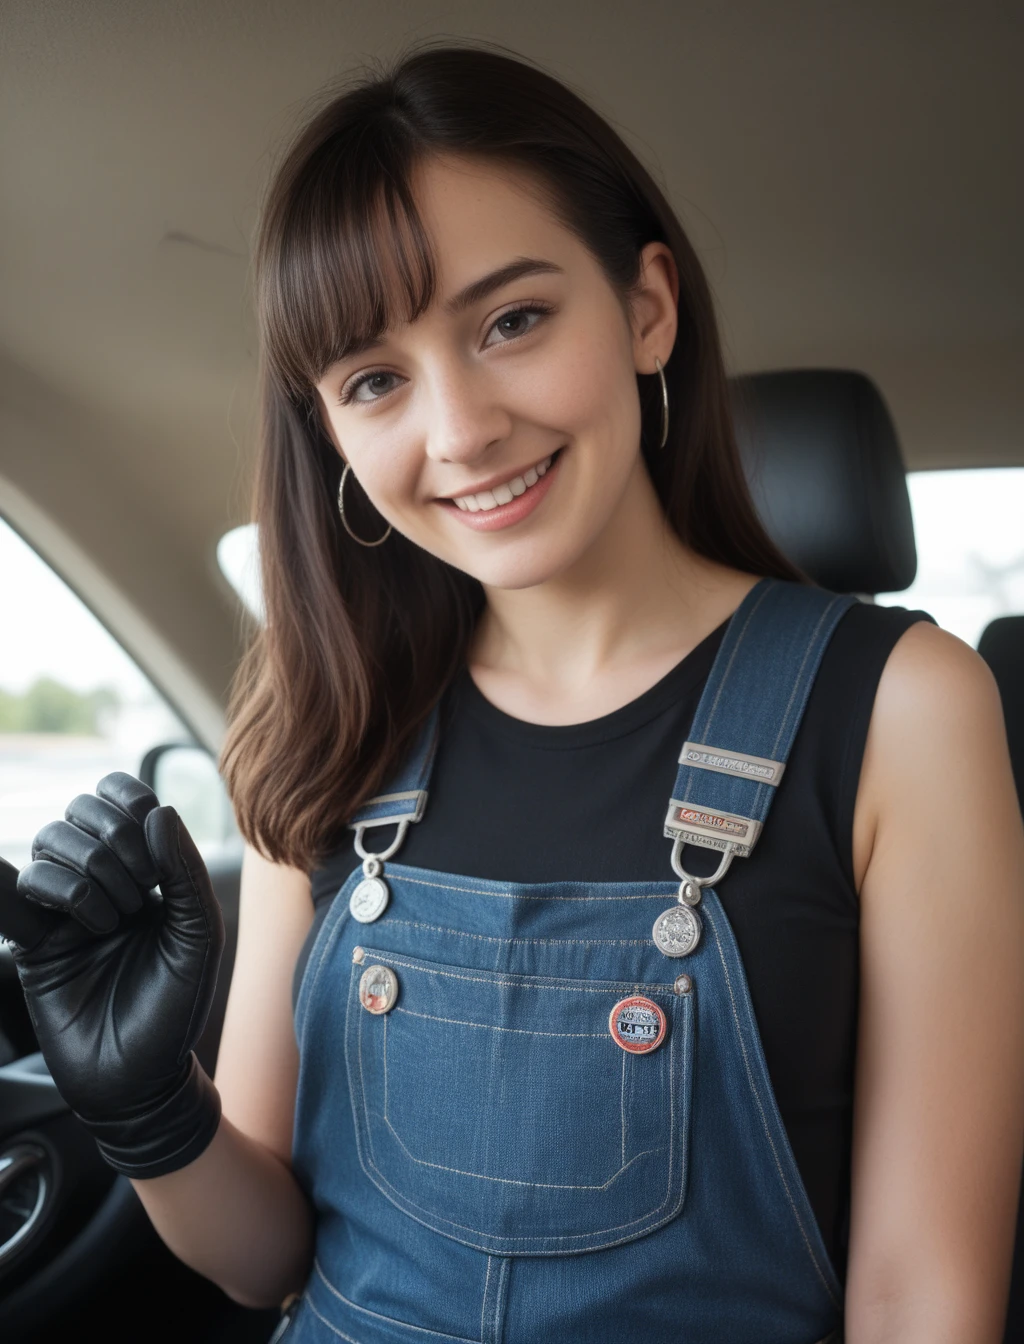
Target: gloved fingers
118, 830
90, 858
129, 794
20, 920
190, 905
64, 891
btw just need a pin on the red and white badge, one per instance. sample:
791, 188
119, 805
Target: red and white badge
637, 1024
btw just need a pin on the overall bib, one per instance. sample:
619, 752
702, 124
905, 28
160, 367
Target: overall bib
522, 1115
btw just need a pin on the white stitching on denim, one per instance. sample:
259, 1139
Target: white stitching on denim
405, 1203
525, 981
533, 942
431, 1219
740, 635
329, 932
483, 1304
499, 1301
622, 1105
764, 1119
391, 1320
525, 896
333, 1328
507, 1180
518, 1031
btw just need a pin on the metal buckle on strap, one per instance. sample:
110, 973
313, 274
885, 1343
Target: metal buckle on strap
415, 798
710, 828
382, 854
759, 769
732, 835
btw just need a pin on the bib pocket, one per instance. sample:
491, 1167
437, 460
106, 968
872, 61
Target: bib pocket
498, 1109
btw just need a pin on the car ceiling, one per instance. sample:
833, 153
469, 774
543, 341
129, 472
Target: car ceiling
851, 176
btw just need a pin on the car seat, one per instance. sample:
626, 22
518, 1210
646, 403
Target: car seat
823, 462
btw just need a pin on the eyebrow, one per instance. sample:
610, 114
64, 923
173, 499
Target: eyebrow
504, 275
475, 292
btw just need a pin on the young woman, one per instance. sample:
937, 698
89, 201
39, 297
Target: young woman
543, 1024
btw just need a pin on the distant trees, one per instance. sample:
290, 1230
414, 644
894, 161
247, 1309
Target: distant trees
49, 707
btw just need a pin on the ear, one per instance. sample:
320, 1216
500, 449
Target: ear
655, 307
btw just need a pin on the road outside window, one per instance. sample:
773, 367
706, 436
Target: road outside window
73, 705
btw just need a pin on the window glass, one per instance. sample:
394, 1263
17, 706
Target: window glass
969, 526
238, 557
73, 705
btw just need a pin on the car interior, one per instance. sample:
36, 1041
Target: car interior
851, 180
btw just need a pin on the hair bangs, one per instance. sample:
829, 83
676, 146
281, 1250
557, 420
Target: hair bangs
354, 259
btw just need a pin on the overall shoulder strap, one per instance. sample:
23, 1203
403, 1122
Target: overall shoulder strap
748, 717
407, 791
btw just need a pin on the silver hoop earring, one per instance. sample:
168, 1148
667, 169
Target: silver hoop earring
341, 509
664, 403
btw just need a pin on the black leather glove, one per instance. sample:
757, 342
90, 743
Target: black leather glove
119, 980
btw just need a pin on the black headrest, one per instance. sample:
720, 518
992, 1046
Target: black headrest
820, 451
1002, 647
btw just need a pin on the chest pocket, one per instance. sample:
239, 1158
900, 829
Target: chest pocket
498, 1110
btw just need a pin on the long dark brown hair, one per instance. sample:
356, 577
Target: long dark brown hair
359, 644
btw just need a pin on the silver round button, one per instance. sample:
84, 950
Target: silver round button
369, 900
677, 931
378, 989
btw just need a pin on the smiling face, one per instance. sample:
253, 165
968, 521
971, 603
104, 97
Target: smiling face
500, 430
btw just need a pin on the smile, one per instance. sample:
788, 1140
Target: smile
508, 502
485, 500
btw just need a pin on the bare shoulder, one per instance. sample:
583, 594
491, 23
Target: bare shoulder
936, 747
931, 671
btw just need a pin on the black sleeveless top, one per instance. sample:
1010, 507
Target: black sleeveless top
524, 802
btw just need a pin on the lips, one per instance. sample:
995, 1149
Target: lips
518, 503
505, 492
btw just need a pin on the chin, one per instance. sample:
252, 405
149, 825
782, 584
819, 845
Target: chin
523, 566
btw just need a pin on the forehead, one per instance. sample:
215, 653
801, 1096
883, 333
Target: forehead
478, 215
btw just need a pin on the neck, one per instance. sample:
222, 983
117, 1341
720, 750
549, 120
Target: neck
597, 635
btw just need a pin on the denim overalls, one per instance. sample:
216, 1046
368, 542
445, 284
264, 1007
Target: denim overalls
541, 1112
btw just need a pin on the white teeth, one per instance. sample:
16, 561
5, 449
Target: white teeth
486, 500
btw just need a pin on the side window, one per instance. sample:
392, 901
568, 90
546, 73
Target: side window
74, 706
969, 526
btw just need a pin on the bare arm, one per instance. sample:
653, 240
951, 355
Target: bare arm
236, 1214
939, 1119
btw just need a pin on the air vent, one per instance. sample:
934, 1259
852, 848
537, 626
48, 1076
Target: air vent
26, 1185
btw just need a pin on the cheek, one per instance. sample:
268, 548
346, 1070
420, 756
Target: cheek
588, 387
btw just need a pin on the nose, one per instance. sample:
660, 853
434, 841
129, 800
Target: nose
465, 418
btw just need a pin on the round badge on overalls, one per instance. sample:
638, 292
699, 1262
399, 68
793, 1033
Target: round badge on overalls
369, 900
677, 931
637, 1024
378, 989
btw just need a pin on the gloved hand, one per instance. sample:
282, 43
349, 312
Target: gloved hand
119, 980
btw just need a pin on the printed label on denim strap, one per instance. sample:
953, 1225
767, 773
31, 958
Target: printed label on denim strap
759, 768
637, 1024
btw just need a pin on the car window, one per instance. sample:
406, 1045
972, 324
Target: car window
969, 526
73, 704
238, 558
